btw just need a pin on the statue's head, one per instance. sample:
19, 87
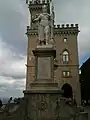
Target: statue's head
44, 8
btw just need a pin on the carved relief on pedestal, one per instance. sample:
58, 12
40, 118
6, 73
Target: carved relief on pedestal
44, 106
49, 106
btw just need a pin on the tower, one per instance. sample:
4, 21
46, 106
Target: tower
67, 72
51, 70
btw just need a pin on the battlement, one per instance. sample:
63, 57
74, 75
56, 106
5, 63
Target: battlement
35, 2
62, 26
64, 29
69, 26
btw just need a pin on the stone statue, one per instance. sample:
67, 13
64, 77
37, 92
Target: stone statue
43, 20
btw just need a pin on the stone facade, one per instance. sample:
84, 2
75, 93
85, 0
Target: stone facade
68, 32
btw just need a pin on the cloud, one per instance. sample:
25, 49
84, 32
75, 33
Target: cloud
74, 11
12, 71
13, 41
84, 43
13, 22
11, 87
12, 65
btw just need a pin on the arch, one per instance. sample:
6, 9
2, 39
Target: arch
65, 50
67, 90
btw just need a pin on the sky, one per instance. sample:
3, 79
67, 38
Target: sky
14, 17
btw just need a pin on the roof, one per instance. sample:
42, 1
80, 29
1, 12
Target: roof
86, 63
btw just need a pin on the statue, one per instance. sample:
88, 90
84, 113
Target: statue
44, 25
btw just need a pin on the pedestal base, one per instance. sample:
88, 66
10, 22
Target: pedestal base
43, 86
47, 105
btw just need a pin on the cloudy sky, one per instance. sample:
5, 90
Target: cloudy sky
13, 42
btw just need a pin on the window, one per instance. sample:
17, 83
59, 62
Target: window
66, 73
65, 40
65, 56
79, 71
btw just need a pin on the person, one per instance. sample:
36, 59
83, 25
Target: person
43, 20
10, 99
1, 103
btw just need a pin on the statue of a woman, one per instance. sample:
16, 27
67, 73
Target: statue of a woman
43, 20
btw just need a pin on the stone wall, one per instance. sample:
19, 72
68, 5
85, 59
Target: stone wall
43, 107
48, 106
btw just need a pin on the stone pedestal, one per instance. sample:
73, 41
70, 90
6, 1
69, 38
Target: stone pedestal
44, 68
43, 96
47, 105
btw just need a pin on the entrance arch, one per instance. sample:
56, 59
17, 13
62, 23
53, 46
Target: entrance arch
67, 91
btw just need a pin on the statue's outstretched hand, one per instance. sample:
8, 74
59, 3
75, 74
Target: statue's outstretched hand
36, 19
33, 20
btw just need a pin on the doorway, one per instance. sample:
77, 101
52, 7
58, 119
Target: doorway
67, 91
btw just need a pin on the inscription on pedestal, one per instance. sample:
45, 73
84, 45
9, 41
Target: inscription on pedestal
44, 68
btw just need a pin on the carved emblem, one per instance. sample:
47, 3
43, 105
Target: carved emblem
42, 106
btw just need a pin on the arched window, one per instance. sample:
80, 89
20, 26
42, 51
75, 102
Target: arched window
65, 56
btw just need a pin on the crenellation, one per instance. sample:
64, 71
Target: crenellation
30, 2
43, 1
66, 26
54, 26
35, 2
76, 25
36, 5
63, 25
28, 27
58, 26
72, 25
68, 29
39, 2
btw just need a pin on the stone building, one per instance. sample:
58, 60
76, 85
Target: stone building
52, 70
84, 80
66, 63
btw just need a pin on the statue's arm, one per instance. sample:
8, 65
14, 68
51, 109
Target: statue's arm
37, 19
